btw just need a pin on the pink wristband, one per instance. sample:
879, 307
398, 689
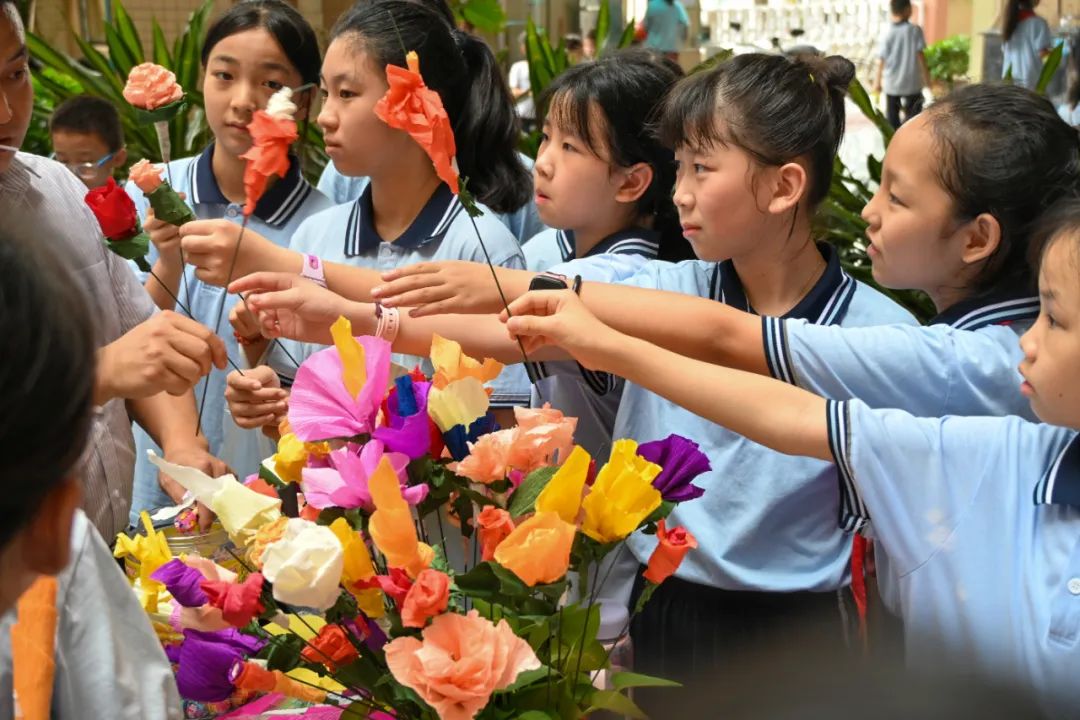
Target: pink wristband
389, 320
313, 269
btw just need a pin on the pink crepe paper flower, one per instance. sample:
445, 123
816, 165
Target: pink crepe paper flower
344, 483
151, 86
321, 408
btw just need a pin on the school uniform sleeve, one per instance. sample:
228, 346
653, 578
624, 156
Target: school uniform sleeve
912, 479
109, 662
1041, 38
928, 371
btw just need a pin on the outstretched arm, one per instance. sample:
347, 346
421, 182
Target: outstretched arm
780, 416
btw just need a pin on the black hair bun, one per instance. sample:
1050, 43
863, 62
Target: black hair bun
838, 72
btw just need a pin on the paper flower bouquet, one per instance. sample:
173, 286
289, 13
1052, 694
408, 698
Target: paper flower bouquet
426, 573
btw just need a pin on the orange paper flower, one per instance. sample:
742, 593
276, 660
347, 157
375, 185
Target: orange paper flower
391, 526
412, 106
146, 176
151, 86
250, 676
461, 661
331, 647
669, 552
538, 550
495, 524
269, 154
428, 597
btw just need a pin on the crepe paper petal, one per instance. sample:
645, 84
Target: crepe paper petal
146, 176
563, 492
290, 458
33, 649
538, 550
672, 546
460, 662
206, 659
251, 676
357, 567
395, 585
150, 86
408, 428
241, 510
622, 496
459, 403
151, 551
239, 602
183, 582
320, 406
345, 483
305, 565
411, 106
272, 132
458, 438
353, 373
331, 647
682, 461
391, 526
406, 404
451, 364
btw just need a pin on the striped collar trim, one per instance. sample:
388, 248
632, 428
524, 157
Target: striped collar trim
1060, 484
278, 205
633, 241
825, 304
997, 309
431, 225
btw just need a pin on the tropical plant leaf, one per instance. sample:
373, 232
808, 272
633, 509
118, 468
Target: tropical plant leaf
162, 54
485, 15
1049, 68
603, 23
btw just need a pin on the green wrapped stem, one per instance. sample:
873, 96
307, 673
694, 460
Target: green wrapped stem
134, 248
165, 113
169, 207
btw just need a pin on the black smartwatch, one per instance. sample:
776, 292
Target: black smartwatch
554, 281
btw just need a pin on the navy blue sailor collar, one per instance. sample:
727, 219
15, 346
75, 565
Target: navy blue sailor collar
281, 201
633, 241
431, 225
1060, 484
825, 304
1000, 307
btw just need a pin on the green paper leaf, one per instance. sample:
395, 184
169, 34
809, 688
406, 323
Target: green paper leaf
524, 498
624, 680
616, 703
132, 248
168, 206
525, 679
165, 113
271, 477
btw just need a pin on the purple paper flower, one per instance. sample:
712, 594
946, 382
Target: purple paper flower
407, 428
182, 582
681, 462
206, 659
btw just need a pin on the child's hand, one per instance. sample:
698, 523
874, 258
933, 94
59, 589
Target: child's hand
434, 288
547, 317
256, 398
293, 307
166, 238
245, 325
210, 246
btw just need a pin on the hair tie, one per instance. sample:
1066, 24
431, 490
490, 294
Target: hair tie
812, 78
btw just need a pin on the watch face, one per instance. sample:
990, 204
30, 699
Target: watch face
548, 282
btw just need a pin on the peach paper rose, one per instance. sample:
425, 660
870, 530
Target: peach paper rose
538, 550
428, 597
146, 176
461, 661
151, 86
495, 524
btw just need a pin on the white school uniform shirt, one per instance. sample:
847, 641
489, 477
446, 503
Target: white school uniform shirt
278, 214
1022, 52
346, 234
523, 223
767, 521
981, 518
592, 397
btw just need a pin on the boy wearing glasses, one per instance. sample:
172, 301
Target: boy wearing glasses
88, 139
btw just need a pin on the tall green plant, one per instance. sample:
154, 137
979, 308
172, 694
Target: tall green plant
60, 76
949, 59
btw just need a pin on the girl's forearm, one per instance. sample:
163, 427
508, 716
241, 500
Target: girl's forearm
780, 416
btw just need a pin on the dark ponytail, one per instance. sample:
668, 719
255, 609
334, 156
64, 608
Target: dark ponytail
775, 108
463, 71
46, 374
1003, 150
1010, 17
627, 88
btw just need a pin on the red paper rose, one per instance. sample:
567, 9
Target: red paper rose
331, 647
428, 597
114, 210
669, 553
238, 602
395, 585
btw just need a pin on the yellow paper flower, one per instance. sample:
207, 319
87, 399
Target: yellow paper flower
538, 550
152, 551
459, 403
353, 369
290, 458
562, 494
358, 566
622, 496
452, 364
269, 533
391, 526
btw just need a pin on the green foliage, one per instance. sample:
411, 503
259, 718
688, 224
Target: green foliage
1049, 68
487, 16
104, 74
949, 59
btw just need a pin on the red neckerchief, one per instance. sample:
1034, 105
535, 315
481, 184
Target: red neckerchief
1025, 13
